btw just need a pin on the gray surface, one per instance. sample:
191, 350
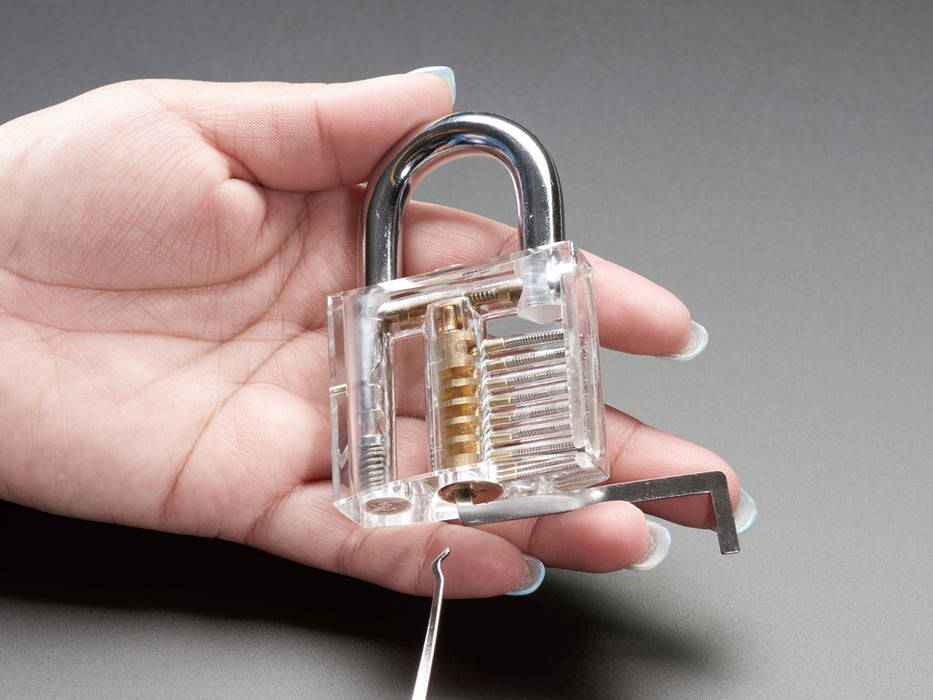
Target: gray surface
769, 162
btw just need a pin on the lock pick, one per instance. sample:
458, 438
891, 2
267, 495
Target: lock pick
713, 483
430, 637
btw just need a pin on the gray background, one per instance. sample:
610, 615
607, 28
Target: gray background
771, 163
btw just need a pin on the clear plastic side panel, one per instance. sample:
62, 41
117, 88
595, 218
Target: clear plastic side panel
510, 380
340, 439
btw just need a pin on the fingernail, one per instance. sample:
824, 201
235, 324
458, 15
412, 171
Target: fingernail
699, 338
745, 512
531, 581
444, 73
660, 545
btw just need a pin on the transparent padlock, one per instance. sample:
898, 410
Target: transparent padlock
474, 383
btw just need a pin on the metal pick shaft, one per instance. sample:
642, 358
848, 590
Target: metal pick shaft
430, 638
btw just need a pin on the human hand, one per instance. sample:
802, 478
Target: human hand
166, 249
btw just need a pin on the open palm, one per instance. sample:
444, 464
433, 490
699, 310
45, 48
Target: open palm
166, 249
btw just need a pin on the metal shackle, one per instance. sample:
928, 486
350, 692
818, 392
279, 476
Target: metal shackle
537, 186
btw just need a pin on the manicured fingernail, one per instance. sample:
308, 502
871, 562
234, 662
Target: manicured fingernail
660, 538
699, 338
531, 581
444, 73
745, 512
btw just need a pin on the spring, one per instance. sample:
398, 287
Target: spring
516, 453
522, 470
538, 375
548, 392
513, 361
373, 463
484, 297
511, 342
528, 414
541, 430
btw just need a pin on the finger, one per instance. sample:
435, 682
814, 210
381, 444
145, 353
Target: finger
307, 528
634, 314
638, 451
599, 538
305, 137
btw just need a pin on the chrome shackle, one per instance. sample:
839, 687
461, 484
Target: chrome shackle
537, 186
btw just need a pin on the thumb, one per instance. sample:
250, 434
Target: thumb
303, 137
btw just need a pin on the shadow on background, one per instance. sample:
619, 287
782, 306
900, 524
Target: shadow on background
551, 644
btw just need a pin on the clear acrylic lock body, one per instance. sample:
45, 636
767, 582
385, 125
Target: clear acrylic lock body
476, 382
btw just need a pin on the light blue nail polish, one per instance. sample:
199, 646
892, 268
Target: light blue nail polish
531, 581
745, 512
699, 339
444, 73
660, 546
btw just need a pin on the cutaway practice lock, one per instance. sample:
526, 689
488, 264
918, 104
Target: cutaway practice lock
503, 352
473, 392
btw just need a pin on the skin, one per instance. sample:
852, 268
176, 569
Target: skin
166, 249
